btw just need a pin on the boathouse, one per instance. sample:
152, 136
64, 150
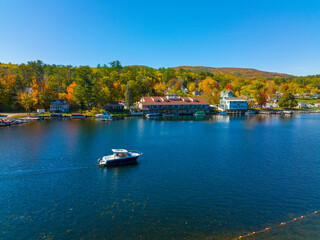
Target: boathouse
230, 103
172, 104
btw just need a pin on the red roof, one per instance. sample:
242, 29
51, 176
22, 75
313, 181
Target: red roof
165, 101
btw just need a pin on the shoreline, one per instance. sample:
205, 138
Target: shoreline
25, 116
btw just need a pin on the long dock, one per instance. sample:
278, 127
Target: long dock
291, 111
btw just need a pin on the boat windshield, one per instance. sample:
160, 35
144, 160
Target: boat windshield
121, 154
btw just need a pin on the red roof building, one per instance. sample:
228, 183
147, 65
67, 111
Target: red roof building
173, 104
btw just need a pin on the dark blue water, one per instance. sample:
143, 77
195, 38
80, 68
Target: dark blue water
216, 178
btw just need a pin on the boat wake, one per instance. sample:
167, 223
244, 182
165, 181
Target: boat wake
37, 172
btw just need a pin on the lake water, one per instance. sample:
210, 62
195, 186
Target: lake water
213, 178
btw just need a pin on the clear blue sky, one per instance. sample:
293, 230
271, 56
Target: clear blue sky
280, 36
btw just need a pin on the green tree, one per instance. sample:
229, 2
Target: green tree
84, 88
129, 93
287, 101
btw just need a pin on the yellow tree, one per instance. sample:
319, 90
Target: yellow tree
208, 84
192, 87
160, 87
7, 90
26, 101
41, 93
270, 89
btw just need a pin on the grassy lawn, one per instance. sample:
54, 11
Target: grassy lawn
308, 100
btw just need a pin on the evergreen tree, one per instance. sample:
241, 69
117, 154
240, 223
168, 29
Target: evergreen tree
129, 94
84, 89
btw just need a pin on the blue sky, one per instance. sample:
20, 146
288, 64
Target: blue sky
280, 36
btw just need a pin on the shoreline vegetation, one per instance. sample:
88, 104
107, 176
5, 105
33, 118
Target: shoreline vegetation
274, 111
31, 86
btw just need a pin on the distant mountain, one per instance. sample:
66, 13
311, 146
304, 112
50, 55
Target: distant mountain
248, 73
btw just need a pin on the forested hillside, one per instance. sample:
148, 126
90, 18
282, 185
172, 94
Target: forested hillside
86, 87
247, 73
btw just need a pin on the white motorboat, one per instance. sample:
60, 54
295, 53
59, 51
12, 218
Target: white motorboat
104, 116
153, 115
287, 112
120, 157
250, 112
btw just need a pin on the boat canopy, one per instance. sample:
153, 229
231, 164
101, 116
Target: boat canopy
119, 150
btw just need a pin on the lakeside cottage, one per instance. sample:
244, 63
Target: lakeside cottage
60, 106
115, 107
172, 104
229, 102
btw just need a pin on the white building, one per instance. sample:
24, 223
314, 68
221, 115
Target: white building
229, 102
302, 105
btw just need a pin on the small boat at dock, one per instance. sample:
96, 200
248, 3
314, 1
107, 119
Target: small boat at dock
120, 157
56, 115
104, 117
287, 112
223, 113
168, 114
136, 113
153, 115
200, 114
5, 122
77, 116
250, 112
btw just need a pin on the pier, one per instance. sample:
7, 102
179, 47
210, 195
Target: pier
291, 111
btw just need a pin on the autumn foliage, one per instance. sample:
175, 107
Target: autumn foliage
86, 87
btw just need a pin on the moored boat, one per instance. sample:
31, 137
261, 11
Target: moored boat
4, 123
200, 114
287, 112
168, 115
136, 113
120, 157
77, 116
104, 117
153, 115
250, 112
56, 115
21, 120
223, 113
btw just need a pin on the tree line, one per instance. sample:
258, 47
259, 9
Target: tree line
87, 87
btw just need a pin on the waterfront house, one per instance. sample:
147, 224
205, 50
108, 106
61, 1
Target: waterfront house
122, 101
196, 93
28, 90
172, 104
228, 102
60, 106
184, 89
315, 95
114, 107
40, 111
302, 105
226, 94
